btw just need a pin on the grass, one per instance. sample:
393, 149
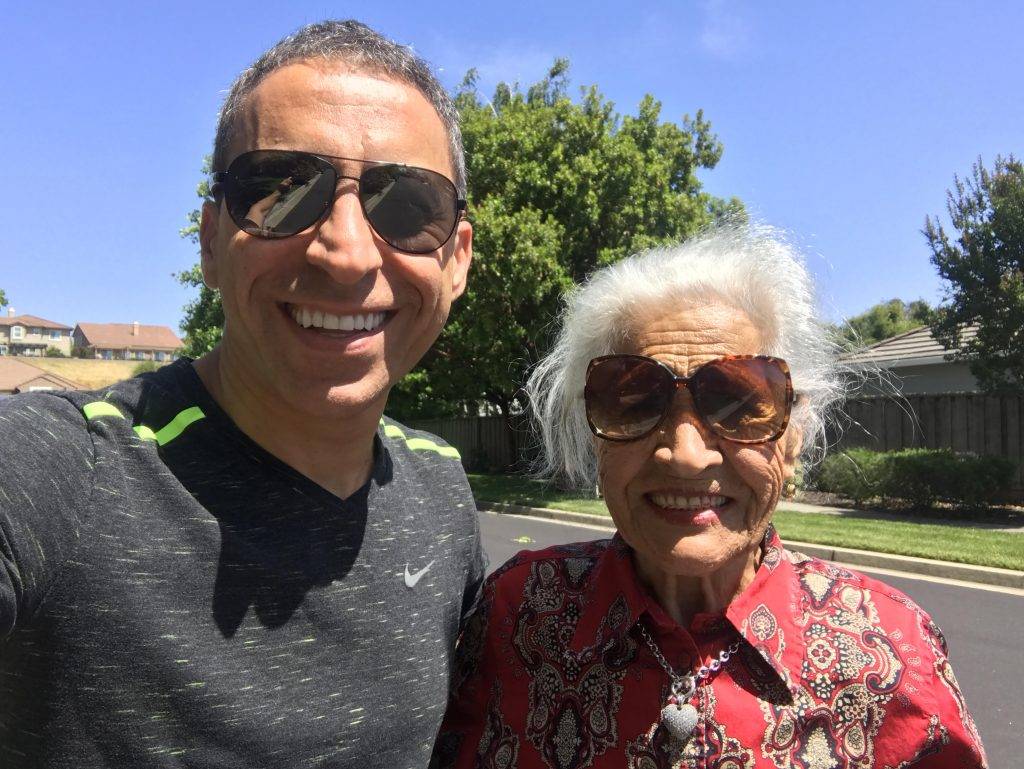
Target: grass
90, 374
961, 544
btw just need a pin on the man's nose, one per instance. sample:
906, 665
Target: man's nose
344, 246
684, 442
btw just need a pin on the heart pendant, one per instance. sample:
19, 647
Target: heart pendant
680, 720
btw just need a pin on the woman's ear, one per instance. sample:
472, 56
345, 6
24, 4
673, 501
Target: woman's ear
792, 443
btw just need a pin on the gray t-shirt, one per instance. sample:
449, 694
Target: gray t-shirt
173, 595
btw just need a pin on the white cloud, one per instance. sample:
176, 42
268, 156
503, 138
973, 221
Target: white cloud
725, 33
508, 62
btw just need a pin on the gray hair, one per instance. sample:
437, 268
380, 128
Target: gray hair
358, 45
750, 267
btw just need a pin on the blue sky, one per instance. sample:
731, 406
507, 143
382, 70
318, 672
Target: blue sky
842, 122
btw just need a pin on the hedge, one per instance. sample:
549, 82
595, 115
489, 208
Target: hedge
919, 477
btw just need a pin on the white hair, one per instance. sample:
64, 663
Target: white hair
753, 268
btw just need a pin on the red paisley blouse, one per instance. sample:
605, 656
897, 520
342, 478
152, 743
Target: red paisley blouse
835, 671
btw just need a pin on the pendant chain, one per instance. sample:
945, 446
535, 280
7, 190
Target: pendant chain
686, 685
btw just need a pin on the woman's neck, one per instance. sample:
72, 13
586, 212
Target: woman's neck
684, 596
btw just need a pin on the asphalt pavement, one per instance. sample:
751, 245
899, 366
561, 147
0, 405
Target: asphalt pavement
983, 625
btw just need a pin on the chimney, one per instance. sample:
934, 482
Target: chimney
135, 328
10, 312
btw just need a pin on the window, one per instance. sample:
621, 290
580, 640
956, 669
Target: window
159, 355
35, 331
17, 332
140, 355
108, 354
54, 333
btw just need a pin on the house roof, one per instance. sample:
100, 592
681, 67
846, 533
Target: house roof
119, 336
916, 347
15, 373
32, 320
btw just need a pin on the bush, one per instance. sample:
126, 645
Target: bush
146, 365
919, 477
53, 352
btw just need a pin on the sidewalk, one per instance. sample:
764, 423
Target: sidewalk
985, 575
806, 507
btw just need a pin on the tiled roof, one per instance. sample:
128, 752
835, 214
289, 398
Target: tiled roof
916, 347
119, 336
32, 320
15, 373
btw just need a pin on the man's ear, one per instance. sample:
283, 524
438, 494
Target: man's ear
462, 257
209, 224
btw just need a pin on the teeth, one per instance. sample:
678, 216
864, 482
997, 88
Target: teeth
319, 319
676, 502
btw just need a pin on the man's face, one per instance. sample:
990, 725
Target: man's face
340, 268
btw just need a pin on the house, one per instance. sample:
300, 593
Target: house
30, 335
916, 363
17, 376
127, 341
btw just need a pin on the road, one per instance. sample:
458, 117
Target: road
984, 628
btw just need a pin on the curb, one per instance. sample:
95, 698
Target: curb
985, 575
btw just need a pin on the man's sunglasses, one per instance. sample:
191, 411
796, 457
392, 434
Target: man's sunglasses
741, 398
280, 193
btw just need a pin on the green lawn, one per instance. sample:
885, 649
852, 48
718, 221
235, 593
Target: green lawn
925, 540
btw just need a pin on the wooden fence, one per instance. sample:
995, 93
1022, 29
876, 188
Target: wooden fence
963, 422
487, 444
981, 424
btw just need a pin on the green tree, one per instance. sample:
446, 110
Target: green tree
557, 187
982, 262
884, 320
204, 317
3, 298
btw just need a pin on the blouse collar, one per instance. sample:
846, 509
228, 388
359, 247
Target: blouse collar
615, 601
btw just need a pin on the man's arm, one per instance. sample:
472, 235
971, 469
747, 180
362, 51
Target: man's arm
46, 476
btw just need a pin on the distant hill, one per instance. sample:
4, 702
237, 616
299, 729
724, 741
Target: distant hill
91, 374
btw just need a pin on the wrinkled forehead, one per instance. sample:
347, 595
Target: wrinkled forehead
334, 108
688, 335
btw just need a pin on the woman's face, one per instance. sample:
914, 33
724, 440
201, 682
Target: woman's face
687, 501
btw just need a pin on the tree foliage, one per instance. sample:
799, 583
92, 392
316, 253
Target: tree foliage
3, 298
981, 261
204, 317
884, 320
557, 187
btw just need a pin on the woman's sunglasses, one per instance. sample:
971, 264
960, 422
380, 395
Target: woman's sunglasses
280, 193
741, 398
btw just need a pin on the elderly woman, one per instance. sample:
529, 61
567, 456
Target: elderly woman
687, 381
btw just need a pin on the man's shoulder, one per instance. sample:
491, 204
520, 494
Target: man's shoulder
417, 445
142, 405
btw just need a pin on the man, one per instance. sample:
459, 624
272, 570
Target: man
237, 561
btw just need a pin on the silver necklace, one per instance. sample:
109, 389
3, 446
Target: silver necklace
678, 715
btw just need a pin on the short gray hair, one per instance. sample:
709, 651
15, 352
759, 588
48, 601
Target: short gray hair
356, 44
750, 267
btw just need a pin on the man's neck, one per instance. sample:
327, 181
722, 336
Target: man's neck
337, 453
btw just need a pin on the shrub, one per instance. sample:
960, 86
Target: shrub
919, 477
854, 474
146, 365
53, 352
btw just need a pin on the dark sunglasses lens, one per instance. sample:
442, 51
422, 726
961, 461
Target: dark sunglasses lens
412, 209
275, 194
742, 399
626, 397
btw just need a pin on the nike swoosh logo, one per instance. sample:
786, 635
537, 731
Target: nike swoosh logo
412, 579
